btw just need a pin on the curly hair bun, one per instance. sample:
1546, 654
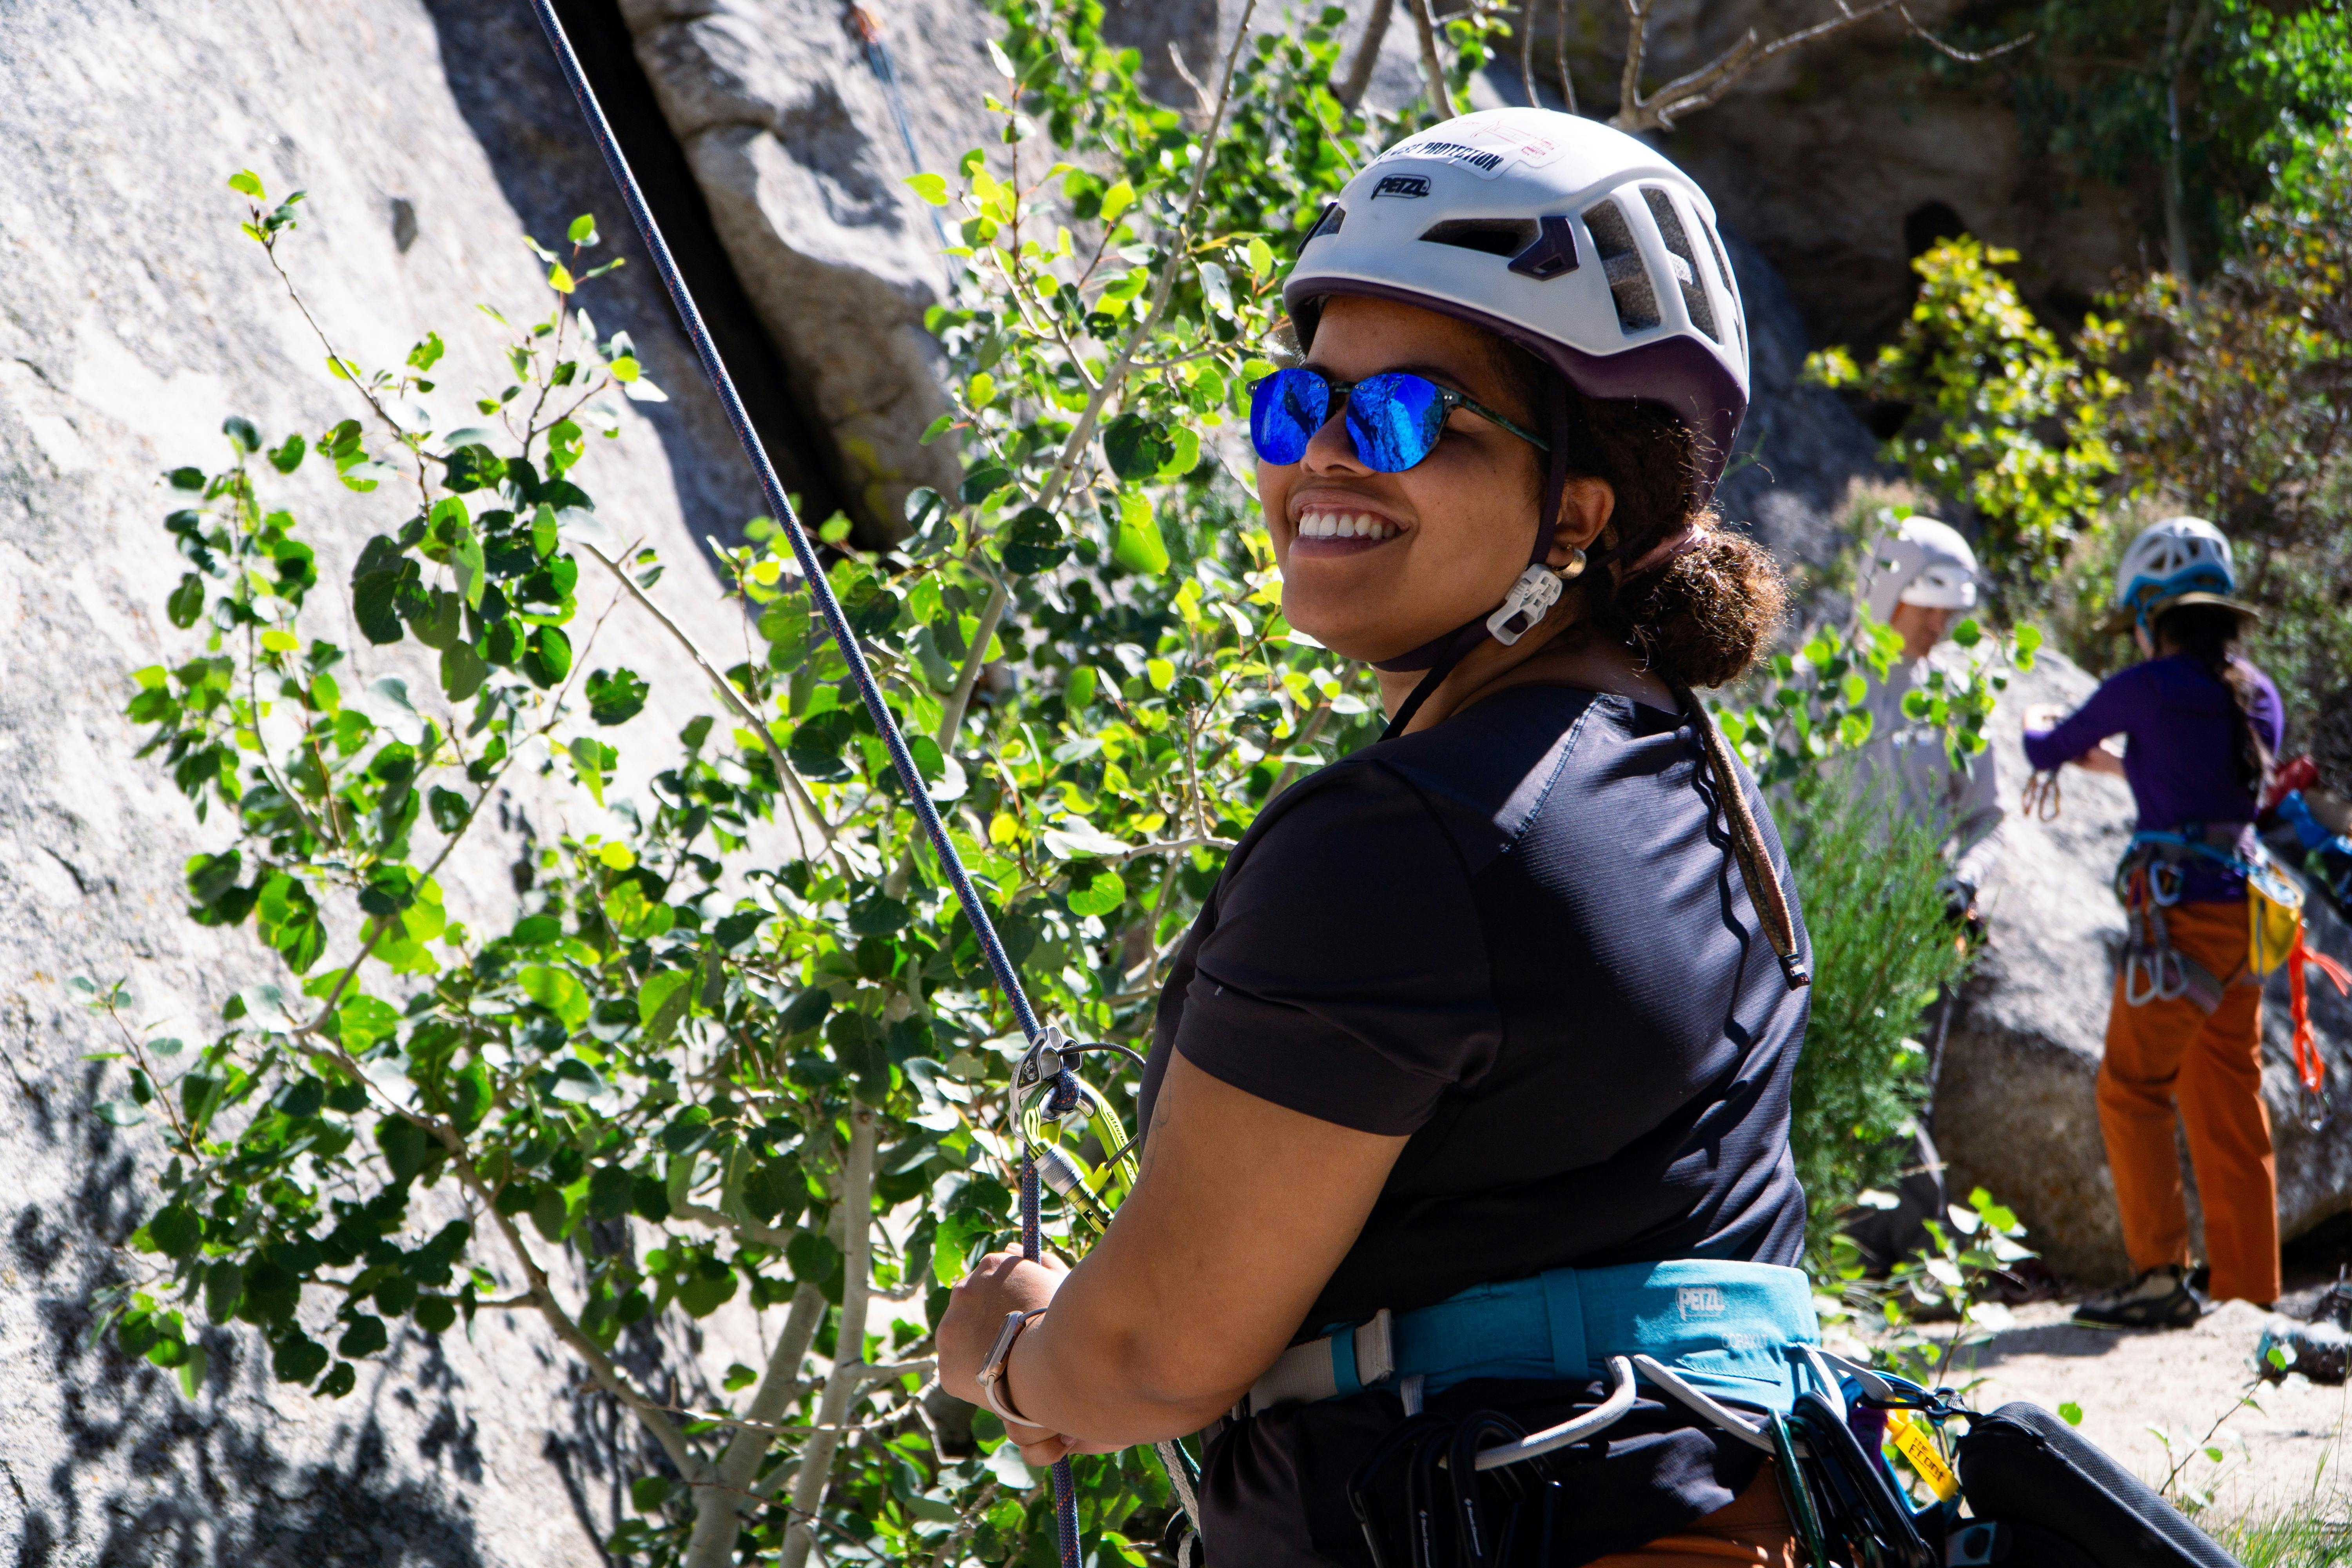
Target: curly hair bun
1704, 617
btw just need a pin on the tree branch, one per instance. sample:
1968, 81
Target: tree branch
1433, 69
735, 700
719, 1509
1559, 58
846, 1380
1351, 88
1066, 466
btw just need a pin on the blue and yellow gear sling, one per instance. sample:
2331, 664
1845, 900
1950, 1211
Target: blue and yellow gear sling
1729, 1328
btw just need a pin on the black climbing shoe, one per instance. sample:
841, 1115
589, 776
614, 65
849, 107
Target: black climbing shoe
2159, 1298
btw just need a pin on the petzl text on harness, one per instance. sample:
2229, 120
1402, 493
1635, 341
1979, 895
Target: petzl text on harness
886, 723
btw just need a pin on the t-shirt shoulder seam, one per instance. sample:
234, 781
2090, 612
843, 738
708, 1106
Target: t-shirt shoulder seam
1559, 757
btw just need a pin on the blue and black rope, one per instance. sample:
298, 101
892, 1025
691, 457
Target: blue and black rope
886, 723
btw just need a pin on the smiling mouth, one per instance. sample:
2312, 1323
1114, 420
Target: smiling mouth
1351, 526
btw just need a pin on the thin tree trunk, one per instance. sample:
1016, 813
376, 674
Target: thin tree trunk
1528, 51
719, 1507
2179, 44
849, 1345
1368, 53
1433, 69
1559, 57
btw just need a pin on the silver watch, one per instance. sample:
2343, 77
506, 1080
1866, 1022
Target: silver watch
991, 1376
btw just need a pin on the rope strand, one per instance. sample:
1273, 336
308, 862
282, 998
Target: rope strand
1747, 848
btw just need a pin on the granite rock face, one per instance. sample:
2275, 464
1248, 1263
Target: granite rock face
133, 318
2015, 1109
796, 140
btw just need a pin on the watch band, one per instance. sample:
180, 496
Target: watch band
991, 1376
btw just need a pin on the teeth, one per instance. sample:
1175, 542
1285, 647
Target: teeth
1345, 525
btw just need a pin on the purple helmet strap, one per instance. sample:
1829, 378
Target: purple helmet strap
1442, 653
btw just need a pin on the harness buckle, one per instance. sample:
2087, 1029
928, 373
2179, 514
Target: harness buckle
1529, 600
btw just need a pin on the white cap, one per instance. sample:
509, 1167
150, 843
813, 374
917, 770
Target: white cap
1919, 561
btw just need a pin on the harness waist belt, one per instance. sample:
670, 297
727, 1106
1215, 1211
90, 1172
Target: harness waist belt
1728, 1328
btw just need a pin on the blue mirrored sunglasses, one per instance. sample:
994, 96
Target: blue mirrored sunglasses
1394, 417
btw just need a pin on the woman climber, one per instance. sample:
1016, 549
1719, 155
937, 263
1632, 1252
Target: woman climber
1473, 1077
2185, 1027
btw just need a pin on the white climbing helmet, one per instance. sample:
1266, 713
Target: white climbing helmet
1574, 240
2178, 556
1921, 561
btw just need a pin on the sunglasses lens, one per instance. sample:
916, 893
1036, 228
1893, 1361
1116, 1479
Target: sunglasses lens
1286, 410
1395, 418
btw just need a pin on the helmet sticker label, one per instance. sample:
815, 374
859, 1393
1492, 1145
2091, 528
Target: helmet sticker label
1401, 185
1486, 151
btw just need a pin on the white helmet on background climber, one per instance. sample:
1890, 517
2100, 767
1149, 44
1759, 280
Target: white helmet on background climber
2182, 560
1920, 561
1573, 240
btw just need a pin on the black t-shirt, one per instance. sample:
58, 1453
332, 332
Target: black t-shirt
1520, 938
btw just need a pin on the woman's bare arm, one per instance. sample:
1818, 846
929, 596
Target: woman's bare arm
1241, 1212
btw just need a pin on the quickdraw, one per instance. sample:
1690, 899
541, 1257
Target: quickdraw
1064, 1091
2039, 798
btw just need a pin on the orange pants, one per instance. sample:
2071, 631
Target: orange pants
2168, 1055
1753, 1529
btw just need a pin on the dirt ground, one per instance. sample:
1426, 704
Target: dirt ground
2285, 1452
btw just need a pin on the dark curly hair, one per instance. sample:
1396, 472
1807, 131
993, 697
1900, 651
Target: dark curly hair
1703, 615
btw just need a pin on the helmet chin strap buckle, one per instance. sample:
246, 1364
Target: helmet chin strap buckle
1529, 600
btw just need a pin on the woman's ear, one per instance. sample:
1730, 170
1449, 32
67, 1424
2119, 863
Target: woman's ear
1585, 507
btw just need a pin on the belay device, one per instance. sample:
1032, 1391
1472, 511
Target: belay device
1043, 1067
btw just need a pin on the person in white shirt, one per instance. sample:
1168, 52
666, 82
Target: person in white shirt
1919, 578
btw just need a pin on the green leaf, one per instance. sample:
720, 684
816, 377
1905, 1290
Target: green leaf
662, 1001
364, 1338
2070, 1414
1034, 541
187, 601
616, 697
932, 188
1138, 546
298, 1358
1103, 893
559, 278
583, 230
558, 992
404, 1146
469, 1094
364, 1020
1261, 256
546, 657
1135, 448
288, 457
174, 1231
247, 182
241, 433
1117, 200
463, 670
192, 1371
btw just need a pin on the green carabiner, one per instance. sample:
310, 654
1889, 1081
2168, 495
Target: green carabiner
1794, 1492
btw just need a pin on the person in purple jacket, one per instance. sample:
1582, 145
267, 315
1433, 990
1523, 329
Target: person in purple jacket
2184, 1034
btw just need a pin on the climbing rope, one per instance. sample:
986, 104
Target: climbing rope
886, 723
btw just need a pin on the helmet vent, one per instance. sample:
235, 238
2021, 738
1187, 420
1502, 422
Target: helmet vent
1677, 239
1723, 272
1334, 215
1505, 237
1629, 280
